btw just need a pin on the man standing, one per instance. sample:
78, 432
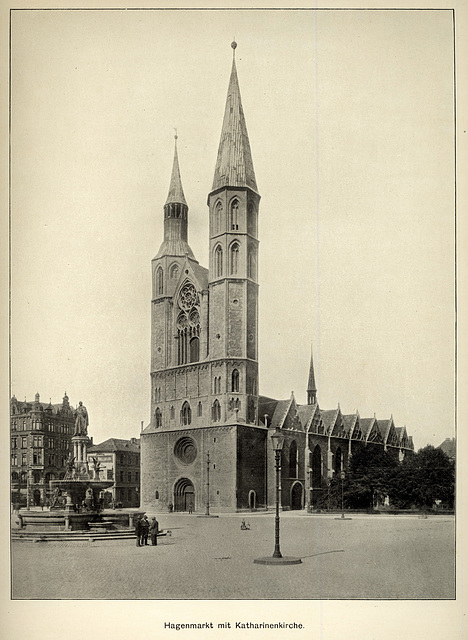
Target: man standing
153, 529
138, 532
144, 524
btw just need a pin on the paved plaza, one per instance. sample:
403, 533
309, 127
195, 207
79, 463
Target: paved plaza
367, 557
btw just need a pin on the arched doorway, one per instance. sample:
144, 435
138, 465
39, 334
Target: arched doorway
37, 497
252, 500
296, 496
184, 495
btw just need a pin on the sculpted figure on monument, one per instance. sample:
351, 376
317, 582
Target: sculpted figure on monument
81, 420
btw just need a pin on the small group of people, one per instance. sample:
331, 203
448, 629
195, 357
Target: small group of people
144, 528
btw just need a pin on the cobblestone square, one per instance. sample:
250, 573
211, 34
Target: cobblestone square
367, 557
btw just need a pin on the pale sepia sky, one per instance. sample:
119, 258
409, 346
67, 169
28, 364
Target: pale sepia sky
350, 119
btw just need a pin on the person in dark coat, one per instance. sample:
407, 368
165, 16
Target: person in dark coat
144, 531
153, 529
138, 532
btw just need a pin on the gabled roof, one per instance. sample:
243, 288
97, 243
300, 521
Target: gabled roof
366, 425
234, 166
116, 444
306, 413
384, 427
329, 418
449, 446
373, 433
280, 413
266, 406
349, 422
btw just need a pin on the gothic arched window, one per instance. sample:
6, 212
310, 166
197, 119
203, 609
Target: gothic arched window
216, 411
218, 215
194, 350
218, 260
235, 381
235, 215
160, 281
158, 417
234, 258
175, 271
172, 412
200, 409
185, 414
293, 460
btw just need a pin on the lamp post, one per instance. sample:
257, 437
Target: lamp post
342, 477
207, 511
277, 440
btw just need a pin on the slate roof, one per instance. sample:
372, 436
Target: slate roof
280, 413
234, 166
306, 413
384, 428
449, 446
349, 422
266, 406
176, 192
116, 444
366, 426
329, 418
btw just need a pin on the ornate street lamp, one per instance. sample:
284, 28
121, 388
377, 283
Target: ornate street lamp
342, 476
207, 512
277, 440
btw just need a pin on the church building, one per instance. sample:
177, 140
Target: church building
209, 434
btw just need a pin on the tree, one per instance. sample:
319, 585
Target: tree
423, 478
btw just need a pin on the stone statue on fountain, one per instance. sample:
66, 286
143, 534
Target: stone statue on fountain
81, 420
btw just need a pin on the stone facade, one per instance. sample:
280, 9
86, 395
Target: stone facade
41, 436
206, 413
119, 460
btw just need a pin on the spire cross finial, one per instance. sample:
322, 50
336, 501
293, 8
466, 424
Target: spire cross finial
234, 45
175, 135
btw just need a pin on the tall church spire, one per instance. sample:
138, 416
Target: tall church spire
175, 241
311, 387
234, 166
176, 192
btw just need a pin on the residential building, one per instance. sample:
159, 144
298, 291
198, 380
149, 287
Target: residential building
40, 444
117, 460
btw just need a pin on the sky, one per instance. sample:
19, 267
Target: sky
351, 126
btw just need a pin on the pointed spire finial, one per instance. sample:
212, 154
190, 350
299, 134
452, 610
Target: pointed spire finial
234, 46
175, 135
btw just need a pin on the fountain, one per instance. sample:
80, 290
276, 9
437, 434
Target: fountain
78, 500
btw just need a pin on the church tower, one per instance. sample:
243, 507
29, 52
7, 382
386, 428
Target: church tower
233, 205
204, 335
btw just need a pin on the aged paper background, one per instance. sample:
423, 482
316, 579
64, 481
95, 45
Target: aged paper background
327, 619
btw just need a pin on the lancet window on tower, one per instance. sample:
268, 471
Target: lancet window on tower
235, 381
158, 417
235, 215
218, 216
218, 261
216, 411
175, 271
185, 414
234, 258
159, 281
